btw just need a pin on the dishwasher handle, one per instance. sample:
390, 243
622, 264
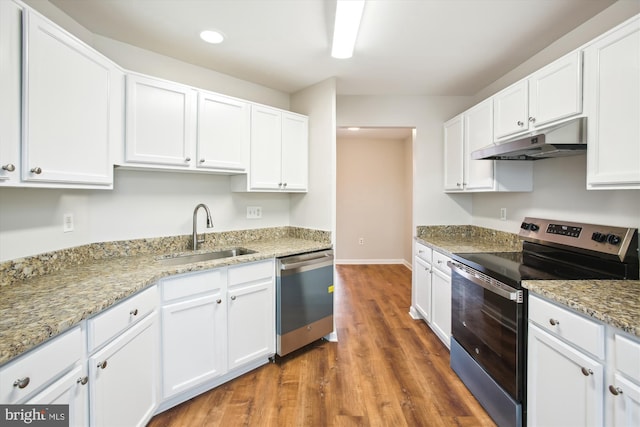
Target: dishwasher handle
320, 258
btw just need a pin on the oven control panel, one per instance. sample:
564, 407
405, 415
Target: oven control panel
617, 241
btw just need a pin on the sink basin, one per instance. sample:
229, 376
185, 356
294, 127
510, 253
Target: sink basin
205, 256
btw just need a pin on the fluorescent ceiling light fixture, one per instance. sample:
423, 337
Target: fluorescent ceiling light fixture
345, 30
213, 37
353, 128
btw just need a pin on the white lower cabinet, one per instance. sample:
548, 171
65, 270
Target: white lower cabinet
564, 385
123, 377
193, 330
432, 290
251, 313
72, 390
573, 378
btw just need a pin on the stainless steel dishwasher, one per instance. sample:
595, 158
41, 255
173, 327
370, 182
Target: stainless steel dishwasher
304, 299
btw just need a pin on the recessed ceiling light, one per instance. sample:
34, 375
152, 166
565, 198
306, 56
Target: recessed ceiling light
211, 36
353, 128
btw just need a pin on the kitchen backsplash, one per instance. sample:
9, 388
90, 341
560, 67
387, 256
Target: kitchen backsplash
469, 232
37, 265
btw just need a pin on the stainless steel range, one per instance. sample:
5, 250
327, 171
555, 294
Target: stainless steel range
489, 304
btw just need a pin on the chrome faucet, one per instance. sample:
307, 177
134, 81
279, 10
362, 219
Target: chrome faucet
195, 224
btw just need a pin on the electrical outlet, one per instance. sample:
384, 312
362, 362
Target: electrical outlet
361, 241
254, 212
67, 222
503, 214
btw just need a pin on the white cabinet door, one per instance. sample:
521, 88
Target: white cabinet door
10, 101
224, 126
612, 103
454, 154
123, 377
423, 288
70, 390
478, 133
511, 111
266, 148
626, 402
555, 91
295, 157
193, 342
160, 122
251, 330
441, 306
67, 121
564, 386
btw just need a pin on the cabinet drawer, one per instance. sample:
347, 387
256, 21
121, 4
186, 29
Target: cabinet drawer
423, 252
40, 366
106, 325
627, 357
578, 330
249, 272
185, 285
440, 262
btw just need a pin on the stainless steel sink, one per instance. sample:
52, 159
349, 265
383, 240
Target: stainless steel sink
205, 256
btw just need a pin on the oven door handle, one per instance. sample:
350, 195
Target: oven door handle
489, 284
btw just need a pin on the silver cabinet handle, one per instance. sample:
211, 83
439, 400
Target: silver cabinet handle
554, 322
102, 365
586, 371
188, 159
233, 297
219, 301
284, 185
9, 167
520, 123
36, 170
22, 382
615, 390
202, 160
82, 380
134, 312
458, 184
532, 119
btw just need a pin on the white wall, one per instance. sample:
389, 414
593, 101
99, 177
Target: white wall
426, 114
142, 204
316, 209
372, 186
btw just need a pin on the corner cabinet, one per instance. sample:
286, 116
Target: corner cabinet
612, 101
551, 94
466, 133
70, 106
279, 152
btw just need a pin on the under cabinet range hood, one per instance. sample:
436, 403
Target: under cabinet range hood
566, 139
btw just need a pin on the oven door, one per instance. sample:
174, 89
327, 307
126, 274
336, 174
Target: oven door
488, 320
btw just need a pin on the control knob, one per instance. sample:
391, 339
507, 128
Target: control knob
599, 237
534, 227
525, 225
613, 239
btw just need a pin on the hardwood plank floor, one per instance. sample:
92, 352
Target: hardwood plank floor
385, 370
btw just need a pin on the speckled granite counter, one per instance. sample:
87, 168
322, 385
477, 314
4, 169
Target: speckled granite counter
614, 302
467, 238
35, 309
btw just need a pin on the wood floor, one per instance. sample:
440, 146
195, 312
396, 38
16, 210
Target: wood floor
385, 370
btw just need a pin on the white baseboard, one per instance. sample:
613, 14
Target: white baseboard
373, 261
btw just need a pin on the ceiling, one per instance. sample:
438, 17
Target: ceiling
405, 47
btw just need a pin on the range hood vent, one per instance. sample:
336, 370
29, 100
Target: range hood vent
566, 139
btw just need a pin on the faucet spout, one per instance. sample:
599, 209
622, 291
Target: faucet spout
195, 240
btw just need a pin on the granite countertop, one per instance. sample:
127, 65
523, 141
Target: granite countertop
35, 309
614, 302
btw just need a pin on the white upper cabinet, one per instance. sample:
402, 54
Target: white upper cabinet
466, 133
10, 56
160, 122
223, 132
550, 95
279, 152
612, 103
68, 120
